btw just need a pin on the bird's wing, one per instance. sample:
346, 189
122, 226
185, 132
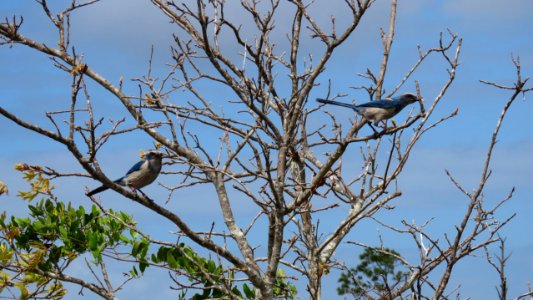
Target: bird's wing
136, 167
380, 104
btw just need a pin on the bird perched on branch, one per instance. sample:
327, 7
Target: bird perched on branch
379, 110
140, 175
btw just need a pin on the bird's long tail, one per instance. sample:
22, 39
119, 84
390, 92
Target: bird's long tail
97, 190
103, 187
349, 105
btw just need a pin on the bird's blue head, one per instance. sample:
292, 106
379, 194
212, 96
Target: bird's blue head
152, 155
408, 98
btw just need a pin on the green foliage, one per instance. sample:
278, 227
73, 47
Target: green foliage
198, 269
50, 238
282, 288
211, 275
39, 183
377, 273
64, 231
54, 234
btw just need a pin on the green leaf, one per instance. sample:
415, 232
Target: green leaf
124, 239
249, 293
134, 272
135, 249
171, 260
142, 266
92, 240
133, 234
80, 212
24, 292
211, 266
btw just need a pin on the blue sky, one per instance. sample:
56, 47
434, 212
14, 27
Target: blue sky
116, 42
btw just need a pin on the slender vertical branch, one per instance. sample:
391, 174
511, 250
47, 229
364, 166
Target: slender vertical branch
387, 45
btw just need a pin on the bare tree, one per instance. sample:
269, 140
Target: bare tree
270, 153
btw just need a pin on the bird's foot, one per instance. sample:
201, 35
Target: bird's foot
145, 196
140, 191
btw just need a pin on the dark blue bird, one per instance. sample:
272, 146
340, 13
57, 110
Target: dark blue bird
379, 110
140, 175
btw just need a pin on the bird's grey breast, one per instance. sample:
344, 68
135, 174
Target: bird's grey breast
155, 165
146, 174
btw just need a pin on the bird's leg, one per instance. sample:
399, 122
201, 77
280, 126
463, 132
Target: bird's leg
374, 129
140, 191
135, 190
145, 196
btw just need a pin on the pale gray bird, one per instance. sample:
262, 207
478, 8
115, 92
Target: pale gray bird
379, 110
140, 175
